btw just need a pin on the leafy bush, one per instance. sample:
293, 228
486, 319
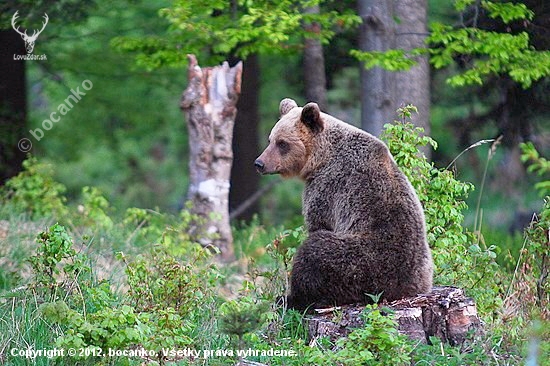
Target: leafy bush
56, 255
170, 299
160, 280
377, 343
94, 211
167, 301
538, 165
533, 267
460, 258
34, 191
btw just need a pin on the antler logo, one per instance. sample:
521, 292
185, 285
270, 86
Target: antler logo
29, 40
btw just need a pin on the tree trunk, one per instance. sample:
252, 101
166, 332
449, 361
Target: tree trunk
315, 82
444, 313
244, 178
382, 92
376, 34
209, 103
13, 106
413, 86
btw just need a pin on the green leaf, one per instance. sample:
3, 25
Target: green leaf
508, 11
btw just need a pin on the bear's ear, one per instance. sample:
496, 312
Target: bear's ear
311, 117
286, 105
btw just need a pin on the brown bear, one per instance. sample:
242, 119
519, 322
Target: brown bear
365, 223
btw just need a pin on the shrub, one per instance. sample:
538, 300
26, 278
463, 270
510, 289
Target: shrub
460, 258
94, 210
378, 343
56, 266
34, 191
169, 303
533, 268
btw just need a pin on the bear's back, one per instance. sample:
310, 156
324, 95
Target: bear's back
360, 189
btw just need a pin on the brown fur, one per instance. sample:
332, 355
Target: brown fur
365, 223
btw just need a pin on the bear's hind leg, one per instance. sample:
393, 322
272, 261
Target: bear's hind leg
324, 272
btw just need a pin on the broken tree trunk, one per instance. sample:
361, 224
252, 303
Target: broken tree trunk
209, 103
445, 313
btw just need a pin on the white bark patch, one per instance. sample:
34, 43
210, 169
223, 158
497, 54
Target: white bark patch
215, 190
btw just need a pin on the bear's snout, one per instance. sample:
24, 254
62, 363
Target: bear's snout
260, 166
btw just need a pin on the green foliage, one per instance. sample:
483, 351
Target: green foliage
537, 258
219, 28
34, 191
538, 165
459, 258
238, 317
94, 209
161, 280
59, 272
536, 251
486, 52
56, 255
131, 142
150, 223
162, 308
495, 53
169, 302
392, 60
116, 328
507, 11
438, 353
378, 342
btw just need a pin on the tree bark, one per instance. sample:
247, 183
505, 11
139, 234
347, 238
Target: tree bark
244, 178
376, 34
444, 313
13, 105
315, 81
382, 92
413, 86
209, 103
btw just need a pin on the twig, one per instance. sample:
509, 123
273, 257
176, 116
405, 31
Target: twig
252, 199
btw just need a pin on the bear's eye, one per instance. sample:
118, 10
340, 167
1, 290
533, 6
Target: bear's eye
283, 146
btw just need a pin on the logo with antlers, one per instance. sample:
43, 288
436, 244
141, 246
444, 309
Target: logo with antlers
29, 40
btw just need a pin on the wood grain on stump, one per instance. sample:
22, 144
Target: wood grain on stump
445, 313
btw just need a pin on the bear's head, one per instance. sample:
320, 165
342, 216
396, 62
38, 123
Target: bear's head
291, 140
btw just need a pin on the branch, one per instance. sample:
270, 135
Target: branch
252, 199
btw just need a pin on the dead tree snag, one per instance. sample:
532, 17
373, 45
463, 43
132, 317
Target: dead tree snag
209, 104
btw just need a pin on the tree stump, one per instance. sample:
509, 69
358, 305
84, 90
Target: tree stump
445, 313
209, 103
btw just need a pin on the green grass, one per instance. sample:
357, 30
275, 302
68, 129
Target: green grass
22, 327
253, 282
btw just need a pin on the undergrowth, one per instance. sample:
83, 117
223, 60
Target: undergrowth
98, 281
